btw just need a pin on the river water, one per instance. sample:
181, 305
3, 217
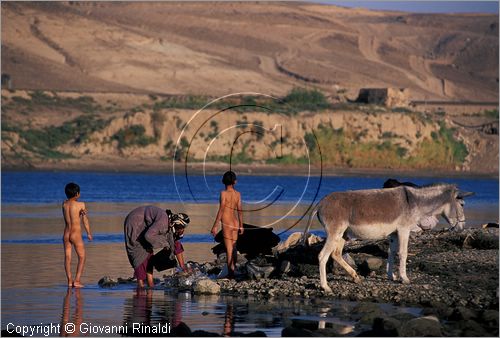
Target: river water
33, 279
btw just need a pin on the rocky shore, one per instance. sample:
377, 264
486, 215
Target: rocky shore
454, 280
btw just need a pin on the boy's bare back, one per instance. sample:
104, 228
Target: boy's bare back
73, 211
231, 202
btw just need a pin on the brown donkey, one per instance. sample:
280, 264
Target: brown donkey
381, 213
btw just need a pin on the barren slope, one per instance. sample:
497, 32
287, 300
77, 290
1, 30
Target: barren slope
70, 130
219, 48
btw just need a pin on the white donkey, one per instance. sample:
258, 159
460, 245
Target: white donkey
379, 213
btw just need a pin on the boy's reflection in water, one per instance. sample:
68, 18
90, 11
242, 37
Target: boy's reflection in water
66, 313
229, 320
143, 308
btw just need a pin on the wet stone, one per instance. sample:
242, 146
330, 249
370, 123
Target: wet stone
254, 334
463, 313
296, 332
490, 319
471, 328
206, 286
423, 326
107, 282
386, 326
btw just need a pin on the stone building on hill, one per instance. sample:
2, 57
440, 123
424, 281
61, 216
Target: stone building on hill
389, 97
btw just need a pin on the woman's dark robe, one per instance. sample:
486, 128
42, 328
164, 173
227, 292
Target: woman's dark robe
147, 228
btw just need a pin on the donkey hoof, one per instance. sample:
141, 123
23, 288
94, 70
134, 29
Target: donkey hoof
358, 280
327, 290
405, 281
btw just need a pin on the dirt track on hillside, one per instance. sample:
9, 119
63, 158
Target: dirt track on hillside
215, 49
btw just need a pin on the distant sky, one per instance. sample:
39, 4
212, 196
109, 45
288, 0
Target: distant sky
439, 6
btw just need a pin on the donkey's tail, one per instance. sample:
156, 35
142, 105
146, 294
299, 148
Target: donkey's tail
314, 211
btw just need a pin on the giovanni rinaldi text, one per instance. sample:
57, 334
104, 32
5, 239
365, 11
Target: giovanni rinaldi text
88, 328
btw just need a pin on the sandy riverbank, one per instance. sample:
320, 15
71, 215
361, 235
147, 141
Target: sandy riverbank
212, 168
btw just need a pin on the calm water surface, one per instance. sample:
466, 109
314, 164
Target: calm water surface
48, 187
34, 293
33, 279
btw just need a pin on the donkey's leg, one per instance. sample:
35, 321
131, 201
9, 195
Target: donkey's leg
323, 259
337, 256
393, 247
403, 237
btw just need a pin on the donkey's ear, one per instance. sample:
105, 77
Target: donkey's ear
462, 194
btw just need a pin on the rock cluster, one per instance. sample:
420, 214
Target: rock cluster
108, 282
454, 280
206, 286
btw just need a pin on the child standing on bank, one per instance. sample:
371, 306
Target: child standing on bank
230, 202
73, 211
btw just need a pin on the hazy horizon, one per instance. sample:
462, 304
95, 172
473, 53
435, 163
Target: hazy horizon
490, 7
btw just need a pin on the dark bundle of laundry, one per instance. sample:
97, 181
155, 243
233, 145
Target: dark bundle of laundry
255, 241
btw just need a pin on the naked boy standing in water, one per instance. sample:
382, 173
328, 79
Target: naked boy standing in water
73, 211
230, 201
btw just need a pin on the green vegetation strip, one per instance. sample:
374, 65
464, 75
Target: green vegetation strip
134, 135
37, 99
340, 148
297, 100
45, 141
